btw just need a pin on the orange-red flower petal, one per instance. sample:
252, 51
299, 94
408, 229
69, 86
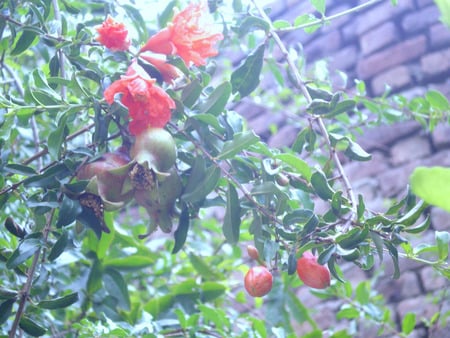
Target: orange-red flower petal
113, 35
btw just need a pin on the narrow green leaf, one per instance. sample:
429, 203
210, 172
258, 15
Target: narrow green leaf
299, 216
412, 215
240, 142
232, 219
251, 23
199, 192
191, 93
296, 163
355, 152
444, 7
137, 261
180, 234
217, 100
203, 268
326, 254
408, 323
348, 313
31, 327
59, 246
19, 169
59, 303
245, 78
319, 5
394, 255
7, 293
56, 138
116, 286
94, 282
68, 211
437, 100
6, 309
321, 186
378, 241
158, 305
24, 41
25, 250
431, 185
442, 241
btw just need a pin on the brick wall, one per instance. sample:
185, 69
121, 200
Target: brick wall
407, 48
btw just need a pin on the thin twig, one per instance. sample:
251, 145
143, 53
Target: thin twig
331, 17
301, 85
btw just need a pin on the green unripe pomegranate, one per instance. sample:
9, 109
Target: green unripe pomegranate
155, 146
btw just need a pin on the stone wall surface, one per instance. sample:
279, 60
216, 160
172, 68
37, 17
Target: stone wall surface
407, 48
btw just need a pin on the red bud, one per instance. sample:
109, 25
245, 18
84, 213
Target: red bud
312, 273
258, 281
252, 252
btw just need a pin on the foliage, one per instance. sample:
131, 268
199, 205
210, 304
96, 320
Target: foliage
74, 270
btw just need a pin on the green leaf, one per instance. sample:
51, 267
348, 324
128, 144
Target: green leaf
203, 268
296, 163
68, 211
251, 23
232, 219
431, 185
59, 303
59, 247
444, 7
24, 41
240, 141
94, 282
394, 255
6, 309
217, 100
412, 215
319, 5
137, 261
7, 293
442, 241
355, 152
31, 327
116, 286
56, 138
191, 93
408, 323
194, 193
25, 250
326, 254
180, 234
158, 305
437, 100
321, 186
348, 312
245, 78
421, 227
299, 216
19, 169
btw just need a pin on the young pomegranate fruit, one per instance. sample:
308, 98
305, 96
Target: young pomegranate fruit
258, 281
108, 178
312, 273
155, 146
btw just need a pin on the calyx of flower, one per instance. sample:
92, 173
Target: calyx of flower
312, 273
258, 281
159, 201
108, 178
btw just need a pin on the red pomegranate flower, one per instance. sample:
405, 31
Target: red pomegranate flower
148, 105
189, 35
113, 35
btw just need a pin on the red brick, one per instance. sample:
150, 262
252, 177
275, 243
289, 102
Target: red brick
396, 55
436, 63
439, 35
374, 16
420, 20
378, 37
395, 78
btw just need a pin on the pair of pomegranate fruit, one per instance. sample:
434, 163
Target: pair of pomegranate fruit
258, 280
145, 172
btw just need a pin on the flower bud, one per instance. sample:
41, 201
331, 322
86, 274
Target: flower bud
258, 281
252, 252
312, 273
